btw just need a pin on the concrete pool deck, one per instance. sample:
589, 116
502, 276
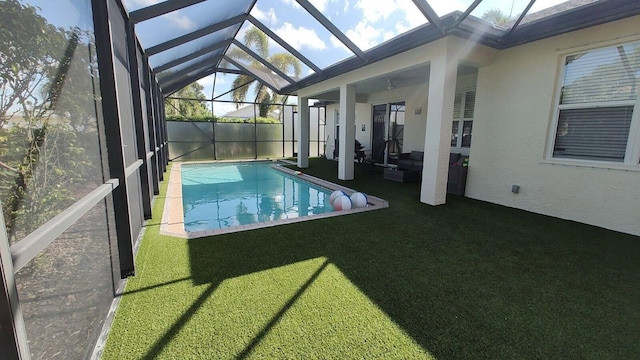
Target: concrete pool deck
173, 215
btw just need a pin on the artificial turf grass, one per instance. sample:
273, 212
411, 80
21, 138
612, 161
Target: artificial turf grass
465, 280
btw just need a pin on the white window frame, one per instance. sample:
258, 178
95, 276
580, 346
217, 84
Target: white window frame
461, 119
632, 153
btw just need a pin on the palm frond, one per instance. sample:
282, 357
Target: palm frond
239, 94
286, 63
237, 54
257, 40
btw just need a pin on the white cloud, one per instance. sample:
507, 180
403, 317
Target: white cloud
143, 3
267, 17
180, 21
373, 28
364, 35
446, 7
390, 34
373, 11
175, 18
398, 29
411, 14
292, 3
300, 37
208, 81
338, 44
321, 5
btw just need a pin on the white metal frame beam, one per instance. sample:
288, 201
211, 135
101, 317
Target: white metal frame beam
430, 14
333, 29
283, 43
263, 61
159, 9
195, 35
204, 51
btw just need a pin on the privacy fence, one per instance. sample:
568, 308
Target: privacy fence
246, 138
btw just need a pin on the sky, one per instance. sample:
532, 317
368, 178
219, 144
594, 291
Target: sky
366, 23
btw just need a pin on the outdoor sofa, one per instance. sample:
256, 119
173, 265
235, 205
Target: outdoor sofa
412, 162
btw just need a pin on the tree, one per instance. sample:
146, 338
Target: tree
256, 40
613, 80
28, 44
496, 16
177, 106
46, 100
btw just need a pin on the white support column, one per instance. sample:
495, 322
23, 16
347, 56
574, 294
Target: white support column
347, 131
437, 140
303, 126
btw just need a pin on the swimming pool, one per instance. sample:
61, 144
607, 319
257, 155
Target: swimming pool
220, 201
217, 196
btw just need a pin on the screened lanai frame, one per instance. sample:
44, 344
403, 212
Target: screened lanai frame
131, 137
116, 30
182, 56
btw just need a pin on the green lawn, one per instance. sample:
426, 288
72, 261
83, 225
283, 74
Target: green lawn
467, 280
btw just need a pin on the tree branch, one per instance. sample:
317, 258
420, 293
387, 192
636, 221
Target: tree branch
10, 168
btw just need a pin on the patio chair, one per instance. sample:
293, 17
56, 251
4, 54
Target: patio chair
373, 158
358, 151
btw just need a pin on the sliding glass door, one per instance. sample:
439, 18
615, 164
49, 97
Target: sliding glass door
388, 132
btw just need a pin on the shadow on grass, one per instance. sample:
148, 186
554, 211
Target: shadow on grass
159, 345
274, 320
465, 280
147, 288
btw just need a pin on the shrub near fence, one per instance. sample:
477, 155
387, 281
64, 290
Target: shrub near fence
194, 141
220, 119
222, 138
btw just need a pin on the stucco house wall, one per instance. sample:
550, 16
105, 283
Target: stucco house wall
414, 97
515, 103
363, 117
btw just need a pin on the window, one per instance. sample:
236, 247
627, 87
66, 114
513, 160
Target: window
598, 98
463, 105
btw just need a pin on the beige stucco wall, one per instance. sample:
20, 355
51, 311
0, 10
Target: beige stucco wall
514, 107
414, 97
468, 53
363, 117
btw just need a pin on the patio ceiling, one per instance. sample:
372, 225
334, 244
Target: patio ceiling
187, 40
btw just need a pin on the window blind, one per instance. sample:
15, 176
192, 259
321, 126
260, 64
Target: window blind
593, 133
603, 75
457, 105
469, 104
597, 100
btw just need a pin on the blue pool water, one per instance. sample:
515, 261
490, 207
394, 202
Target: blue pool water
217, 196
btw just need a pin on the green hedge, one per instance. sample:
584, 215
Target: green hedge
259, 120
